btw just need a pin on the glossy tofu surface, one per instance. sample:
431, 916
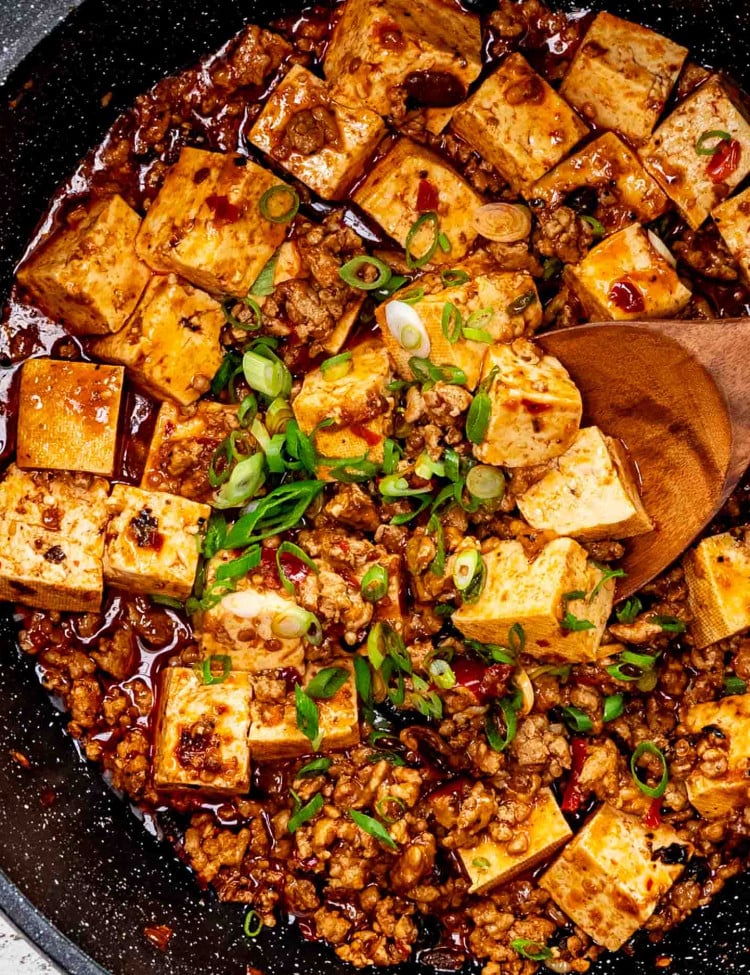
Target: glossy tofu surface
732, 217
717, 572
721, 795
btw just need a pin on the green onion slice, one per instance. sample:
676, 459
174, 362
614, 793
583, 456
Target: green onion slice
253, 924
670, 624
629, 610
486, 483
391, 454
597, 227
576, 719
703, 149
220, 465
653, 792
244, 482
268, 376
262, 287
374, 583
497, 741
454, 277
231, 319
413, 295
414, 261
478, 417
374, 828
444, 243
395, 486
294, 623
274, 514
247, 410
239, 568
350, 273
327, 683
522, 302
477, 335
532, 950
442, 674
382, 804
289, 548
734, 685
222, 660
466, 566
274, 198
517, 639
614, 705
308, 718
452, 322
304, 813
316, 767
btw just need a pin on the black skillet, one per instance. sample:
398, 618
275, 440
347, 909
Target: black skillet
78, 872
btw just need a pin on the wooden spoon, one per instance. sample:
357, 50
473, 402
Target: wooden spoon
677, 394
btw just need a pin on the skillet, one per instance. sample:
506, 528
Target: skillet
78, 872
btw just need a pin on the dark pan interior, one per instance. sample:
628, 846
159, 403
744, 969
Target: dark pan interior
67, 845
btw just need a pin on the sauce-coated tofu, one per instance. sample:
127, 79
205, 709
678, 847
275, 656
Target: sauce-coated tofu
720, 796
274, 734
732, 217
717, 572
698, 182
493, 293
516, 121
531, 592
67, 416
589, 493
153, 541
490, 863
381, 49
201, 738
622, 75
390, 193
206, 222
171, 343
626, 277
183, 443
88, 275
608, 879
52, 539
609, 167
535, 407
315, 137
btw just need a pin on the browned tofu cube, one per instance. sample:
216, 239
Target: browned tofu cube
153, 541
694, 169
717, 572
609, 878
719, 797
516, 121
171, 343
67, 416
732, 217
274, 734
201, 738
206, 223
87, 275
622, 75
383, 51
490, 863
625, 191
52, 539
390, 193
308, 131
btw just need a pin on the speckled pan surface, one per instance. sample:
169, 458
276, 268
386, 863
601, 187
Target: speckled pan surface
68, 846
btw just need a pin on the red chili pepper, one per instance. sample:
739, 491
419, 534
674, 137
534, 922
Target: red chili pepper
724, 161
483, 682
652, 819
627, 297
427, 197
573, 796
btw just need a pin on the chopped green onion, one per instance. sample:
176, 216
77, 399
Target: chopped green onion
607, 574
220, 465
497, 741
381, 804
253, 924
374, 583
234, 322
413, 295
405, 517
308, 719
570, 622
238, 568
427, 373
262, 287
278, 415
522, 302
442, 674
268, 376
481, 863
670, 624
160, 599
327, 683
413, 261
304, 813
244, 482
223, 660
597, 227
576, 719
454, 277
533, 950
391, 454
374, 828
629, 610
466, 565
645, 661
477, 335
289, 548
734, 685
395, 486
363, 684
614, 705
653, 792
444, 243
552, 266
247, 410
350, 273
216, 532
703, 149
277, 512
452, 322
268, 204
517, 639
486, 483
477, 319
296, 622
478, 417
231, 366
316, 767
435, 526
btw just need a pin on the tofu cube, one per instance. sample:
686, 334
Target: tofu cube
732, 217
206, 223
717, 572
153, 541
490, 863
494, 293
720, 797
88, 275
171, 343
52, 539
622, 76
695, 182
274, 734
625, 190
535, 409
517, 122
608, 879
382, 51
68, 414
389, 195
534, 593
628, 277
201, 738
324, 143
589, 493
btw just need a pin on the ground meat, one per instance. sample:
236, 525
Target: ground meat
562, 234
353, 506
705, 252
445, 404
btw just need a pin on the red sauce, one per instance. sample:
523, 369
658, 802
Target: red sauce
485, 683
294, 569
573, 796
627, 297
724, 161
371, 438
224, 212
534, 407
652, 819
427, 196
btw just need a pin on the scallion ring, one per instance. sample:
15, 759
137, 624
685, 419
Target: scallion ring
278, 415
478, 417
253, 924
336, 367
454, 277
533, 950
412, 295
653, 792
220, 465
244, 482
442, 674
268, 204
247, 410
703, 149
209, 677
289, 548
295, 623
427, 219
407, 328
614, 705
350, 273
374, 583
466, 565
576, 719
381, 805
486, 483
395, 486
452, 322
522, 302
267, 376
477, 335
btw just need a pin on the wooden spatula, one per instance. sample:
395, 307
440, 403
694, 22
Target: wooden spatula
678, 395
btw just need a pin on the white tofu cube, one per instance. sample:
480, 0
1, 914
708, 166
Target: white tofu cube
622, 75
695, 181
52, 539
589, 493
206, 223
153, 541
628, 277
732, 217
490, 863
625, 190
535, 594
609, 878
201, 738
68, 413
535, 408
717, 572
382, 51
517, 122
87, 275
493, 294
720, 797
390, 195
171, 343
305, 129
